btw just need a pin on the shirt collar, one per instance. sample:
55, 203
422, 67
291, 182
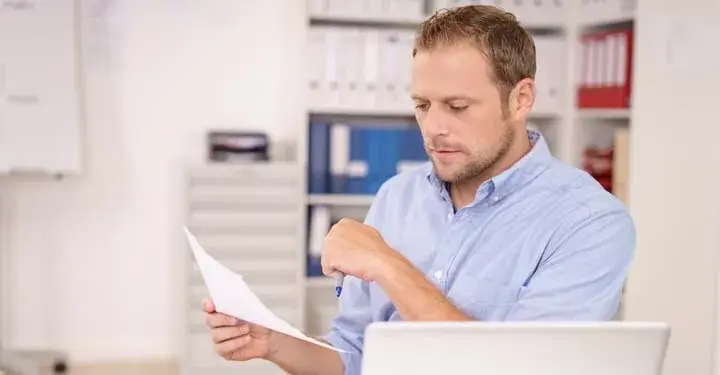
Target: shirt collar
519, 174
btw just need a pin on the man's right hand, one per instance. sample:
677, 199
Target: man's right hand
236, 340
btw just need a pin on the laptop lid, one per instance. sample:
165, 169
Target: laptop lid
515, 348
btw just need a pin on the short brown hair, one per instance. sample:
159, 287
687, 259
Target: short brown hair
507, 46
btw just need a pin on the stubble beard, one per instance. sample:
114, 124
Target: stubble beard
481, 162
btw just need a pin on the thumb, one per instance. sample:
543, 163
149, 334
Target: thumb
208, 305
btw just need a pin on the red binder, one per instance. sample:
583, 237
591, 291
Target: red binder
582, 87
605, 70
619, 94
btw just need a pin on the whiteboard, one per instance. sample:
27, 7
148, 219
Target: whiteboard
40, 129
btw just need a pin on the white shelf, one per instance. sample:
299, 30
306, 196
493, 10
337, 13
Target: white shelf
536, 115
363, 19
552, 26
350, 111
599, 20
340, 200
381, 112
320, 282
604, 114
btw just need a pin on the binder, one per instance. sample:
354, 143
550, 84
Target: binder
319, 221
415, 9
317, 87
319, 146
412, 150
593, 83
331, 81
394, 8
609, 69
339, 157
389, 93
344, 7
382, 152
350, 67
372, 8
606, 70
405, 47
583, 97
412, 145
550, 75
357, 169
600, 64
619, 94
533, 12
370, 68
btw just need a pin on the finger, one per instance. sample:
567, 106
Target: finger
226, 348
328, 271
215, 320
327, 268
222, 334
331, 270
208, 305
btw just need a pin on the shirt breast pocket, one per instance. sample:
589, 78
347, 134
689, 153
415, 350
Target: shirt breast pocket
483, 299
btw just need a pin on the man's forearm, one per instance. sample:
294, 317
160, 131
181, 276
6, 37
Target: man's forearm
415, 298
299, 357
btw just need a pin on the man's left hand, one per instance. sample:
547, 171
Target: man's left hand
356, 249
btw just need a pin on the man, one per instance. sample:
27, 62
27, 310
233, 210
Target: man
494, 228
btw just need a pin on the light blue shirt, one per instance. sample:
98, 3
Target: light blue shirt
542, 241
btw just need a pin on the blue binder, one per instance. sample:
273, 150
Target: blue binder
358, 154
412, 147
318, 158
383, 151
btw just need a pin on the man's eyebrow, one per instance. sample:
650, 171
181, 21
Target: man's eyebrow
417, 97
453, 98
446, 99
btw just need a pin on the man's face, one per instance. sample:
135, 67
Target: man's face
460, 112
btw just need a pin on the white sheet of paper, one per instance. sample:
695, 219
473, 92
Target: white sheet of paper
232, 296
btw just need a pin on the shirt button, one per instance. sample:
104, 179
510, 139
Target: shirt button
438, 275
450, 216
495, 198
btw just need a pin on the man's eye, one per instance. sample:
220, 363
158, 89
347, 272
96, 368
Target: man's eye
421, 107
458, 107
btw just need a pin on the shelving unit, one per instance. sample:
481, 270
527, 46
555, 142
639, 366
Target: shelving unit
568, 128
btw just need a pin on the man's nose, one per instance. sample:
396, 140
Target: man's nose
434, 123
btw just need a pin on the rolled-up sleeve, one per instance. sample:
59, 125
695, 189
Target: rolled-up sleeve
584, 270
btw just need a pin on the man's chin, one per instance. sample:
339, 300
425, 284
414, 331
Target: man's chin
445, 174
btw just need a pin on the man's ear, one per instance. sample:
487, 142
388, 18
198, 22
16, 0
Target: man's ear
522, 98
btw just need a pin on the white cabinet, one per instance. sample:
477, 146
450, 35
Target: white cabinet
250, 218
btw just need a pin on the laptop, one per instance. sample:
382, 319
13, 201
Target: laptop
515, 348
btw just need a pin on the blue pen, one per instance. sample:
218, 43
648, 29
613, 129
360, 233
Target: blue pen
339, 279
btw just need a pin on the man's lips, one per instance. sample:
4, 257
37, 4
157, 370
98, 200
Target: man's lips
444, 154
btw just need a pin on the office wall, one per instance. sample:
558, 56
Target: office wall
674, 182
89, 263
